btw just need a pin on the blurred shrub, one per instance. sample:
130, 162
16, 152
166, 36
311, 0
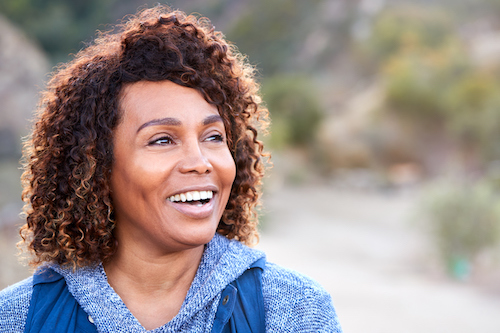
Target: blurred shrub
420, 57
414, 88
59, 26
462, 98
464, 220
408, 27
432, 83
270, 32
295, 110
473, 112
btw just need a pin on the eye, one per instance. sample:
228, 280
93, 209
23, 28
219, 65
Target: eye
215, 138
164, 140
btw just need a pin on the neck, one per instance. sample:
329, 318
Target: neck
145, 281
146, 269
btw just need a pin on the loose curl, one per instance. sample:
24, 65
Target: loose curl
68, 158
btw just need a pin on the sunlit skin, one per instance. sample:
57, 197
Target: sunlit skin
169, 141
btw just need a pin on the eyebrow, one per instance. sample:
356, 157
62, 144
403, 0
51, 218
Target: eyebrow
176, 122
212, 119
162, 121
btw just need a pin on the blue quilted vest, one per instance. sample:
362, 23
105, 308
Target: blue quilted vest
54, 310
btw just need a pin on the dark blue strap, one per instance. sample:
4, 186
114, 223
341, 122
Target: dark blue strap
241, 308
53, 309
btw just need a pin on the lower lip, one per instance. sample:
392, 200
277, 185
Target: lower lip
194, 211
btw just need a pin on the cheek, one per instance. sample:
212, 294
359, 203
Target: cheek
119, 182
230, 170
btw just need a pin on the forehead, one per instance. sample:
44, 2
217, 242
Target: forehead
145, 100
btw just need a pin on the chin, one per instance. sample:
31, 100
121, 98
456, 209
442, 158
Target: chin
200, 238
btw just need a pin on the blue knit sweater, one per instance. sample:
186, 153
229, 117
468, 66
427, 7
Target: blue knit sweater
293, 302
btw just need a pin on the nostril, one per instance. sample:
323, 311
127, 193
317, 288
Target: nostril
195, 163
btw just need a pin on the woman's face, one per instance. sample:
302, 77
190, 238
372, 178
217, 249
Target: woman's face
172, 172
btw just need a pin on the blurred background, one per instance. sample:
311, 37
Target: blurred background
385, 142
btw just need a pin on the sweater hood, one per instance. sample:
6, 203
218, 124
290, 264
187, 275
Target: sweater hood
222, 262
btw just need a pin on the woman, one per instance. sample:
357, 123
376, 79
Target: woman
141, 177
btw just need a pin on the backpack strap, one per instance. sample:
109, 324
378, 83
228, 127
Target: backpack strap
53, 308
241, 308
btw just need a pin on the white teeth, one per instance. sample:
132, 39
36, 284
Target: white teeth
192, 196
196, 195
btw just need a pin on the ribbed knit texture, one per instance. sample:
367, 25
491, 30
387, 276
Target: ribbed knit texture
14, 305
296, 303
293, 302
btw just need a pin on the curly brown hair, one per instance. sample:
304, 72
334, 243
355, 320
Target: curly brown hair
68, 158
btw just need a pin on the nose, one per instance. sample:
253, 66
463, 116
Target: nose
194, 160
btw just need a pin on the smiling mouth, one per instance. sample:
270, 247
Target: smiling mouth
198, 198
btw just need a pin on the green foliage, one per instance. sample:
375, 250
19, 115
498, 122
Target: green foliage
419, 81
464, 220
417, 53
448, 91
58, 25
473, 111
419, 57
431, 80
295, 110
413, 88
269, 31
409, 27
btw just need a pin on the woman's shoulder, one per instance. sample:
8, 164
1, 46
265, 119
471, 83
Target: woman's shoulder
296, 301
16, 295
14, 304
278, 278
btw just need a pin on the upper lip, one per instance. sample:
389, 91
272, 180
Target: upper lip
212, 188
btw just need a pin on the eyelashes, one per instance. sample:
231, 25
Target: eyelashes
168, 140
216, 138
163, 141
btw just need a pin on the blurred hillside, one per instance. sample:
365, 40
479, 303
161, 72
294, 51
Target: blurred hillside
371, 94
22, 69
387, 85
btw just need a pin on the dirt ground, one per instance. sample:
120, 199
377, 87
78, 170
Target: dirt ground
366, 250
